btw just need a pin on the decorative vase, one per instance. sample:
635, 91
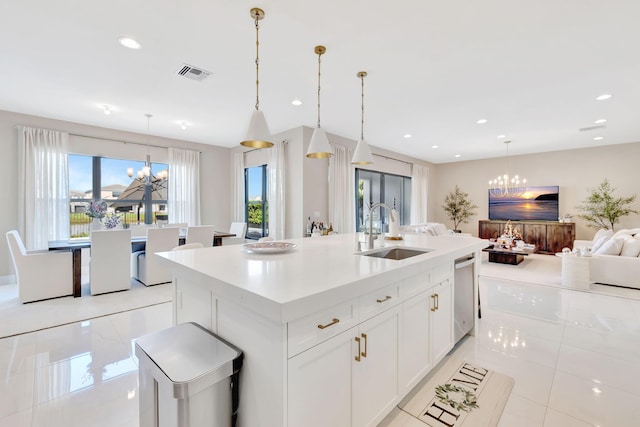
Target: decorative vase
96, 224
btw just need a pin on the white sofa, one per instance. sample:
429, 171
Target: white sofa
615, 257
429, 228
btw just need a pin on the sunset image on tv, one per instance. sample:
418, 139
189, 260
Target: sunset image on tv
534, 204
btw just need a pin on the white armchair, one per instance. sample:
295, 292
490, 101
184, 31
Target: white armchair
200, 234
110, 266
240, 230
40, 275
146, 268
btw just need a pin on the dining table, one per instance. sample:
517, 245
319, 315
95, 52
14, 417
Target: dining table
138, 243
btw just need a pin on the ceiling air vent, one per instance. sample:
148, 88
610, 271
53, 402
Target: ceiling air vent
591, 128
193, 73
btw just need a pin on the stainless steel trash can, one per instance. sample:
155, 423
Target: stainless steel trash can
188, 377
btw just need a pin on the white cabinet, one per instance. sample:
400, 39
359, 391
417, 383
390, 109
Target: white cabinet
350, 379
426, 331
194, 303
414, 340
441, 322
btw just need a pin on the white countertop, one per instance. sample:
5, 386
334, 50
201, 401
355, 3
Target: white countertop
319, 272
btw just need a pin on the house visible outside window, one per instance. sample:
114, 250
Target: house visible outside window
373, 187
102, 178
255, 202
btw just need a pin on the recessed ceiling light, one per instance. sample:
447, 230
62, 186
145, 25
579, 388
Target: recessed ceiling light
296, 102
183, 125
502, 136
435, 146
604, 96
129, 42
457, 155
106, 110
407, 135
598, 138
600, 121
482, 121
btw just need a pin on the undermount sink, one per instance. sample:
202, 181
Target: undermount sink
396, 253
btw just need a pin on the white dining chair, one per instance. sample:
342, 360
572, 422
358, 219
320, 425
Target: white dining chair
240, 230
40, 275
200, 234
146, 268
110, 265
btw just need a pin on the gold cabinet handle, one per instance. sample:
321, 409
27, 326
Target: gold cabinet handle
437, 302
388, 297
333, 322
364, 353
434, 308
358, 353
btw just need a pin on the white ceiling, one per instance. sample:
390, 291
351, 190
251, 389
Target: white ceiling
531, 68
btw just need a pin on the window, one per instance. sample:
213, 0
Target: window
373, 187
255, 202
108, 179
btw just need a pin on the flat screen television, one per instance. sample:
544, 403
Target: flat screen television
535, 204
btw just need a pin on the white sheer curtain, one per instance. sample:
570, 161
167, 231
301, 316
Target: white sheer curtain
43, 188
184, 186
276, 198
238, 188
342, 189
419, 190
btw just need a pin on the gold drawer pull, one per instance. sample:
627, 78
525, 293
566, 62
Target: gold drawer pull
364, 353
333, 322
437, 302
388, 297
358, 353
434, 308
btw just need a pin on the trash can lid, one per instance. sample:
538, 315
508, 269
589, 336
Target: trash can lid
187, 351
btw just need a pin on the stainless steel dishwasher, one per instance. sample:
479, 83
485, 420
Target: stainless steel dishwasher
463, 292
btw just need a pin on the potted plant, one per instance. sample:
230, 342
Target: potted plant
458, 207
602, 210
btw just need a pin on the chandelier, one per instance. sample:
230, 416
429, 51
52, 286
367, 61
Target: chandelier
145, 175
506, 185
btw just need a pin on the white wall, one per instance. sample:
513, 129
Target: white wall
214, 166
575, 171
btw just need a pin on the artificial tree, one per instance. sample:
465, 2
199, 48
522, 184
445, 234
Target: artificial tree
458, 207
601, 209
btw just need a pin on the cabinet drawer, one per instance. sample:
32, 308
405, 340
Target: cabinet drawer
377, 301
441, 272
414, 285
317, 327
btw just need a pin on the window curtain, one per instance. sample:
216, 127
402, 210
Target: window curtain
238, 187
276, 182
184, 186
419, 191
342, 200
43, 187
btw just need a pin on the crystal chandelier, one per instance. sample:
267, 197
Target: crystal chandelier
507, 186
145, 175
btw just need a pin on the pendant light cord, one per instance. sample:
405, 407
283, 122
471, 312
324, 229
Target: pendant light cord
257, 65
362, 108
319, 61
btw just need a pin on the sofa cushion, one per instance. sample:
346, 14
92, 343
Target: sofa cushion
602, 233
611, 247
630, 247
597, 244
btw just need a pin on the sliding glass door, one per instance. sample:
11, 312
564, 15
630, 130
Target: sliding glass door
373, 187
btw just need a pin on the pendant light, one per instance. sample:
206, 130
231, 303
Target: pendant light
362, 155
319, 147
258, 135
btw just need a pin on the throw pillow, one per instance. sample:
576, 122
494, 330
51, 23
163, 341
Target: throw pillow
597, 244
611, 247
602, 233
631, 247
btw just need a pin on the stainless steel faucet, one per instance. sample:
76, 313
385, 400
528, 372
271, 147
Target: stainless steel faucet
376, 205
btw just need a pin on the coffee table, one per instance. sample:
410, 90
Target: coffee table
506, 256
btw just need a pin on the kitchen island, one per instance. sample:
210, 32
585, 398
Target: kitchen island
330, 336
